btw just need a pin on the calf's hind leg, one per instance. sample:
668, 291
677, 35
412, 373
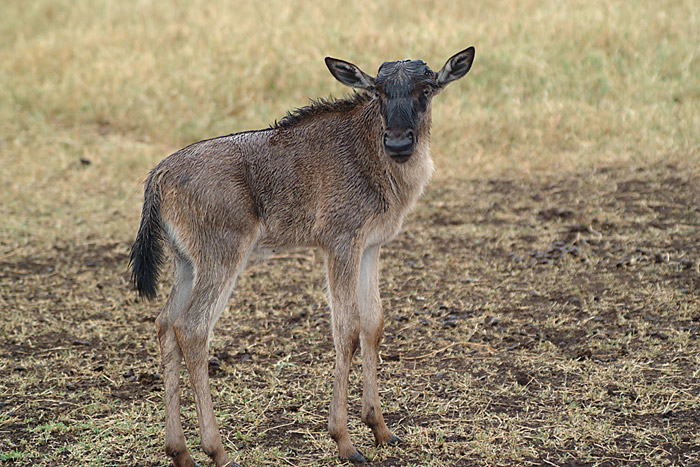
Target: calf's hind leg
171, 360
209, 296
212, 286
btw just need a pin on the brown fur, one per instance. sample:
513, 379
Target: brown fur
318, 178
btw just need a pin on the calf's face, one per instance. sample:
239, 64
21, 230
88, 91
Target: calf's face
404, 89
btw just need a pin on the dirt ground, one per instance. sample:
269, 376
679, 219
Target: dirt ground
543, 320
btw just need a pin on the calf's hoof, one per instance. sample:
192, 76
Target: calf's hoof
388, 440
193, 464
181, 458
357, 458
224, 461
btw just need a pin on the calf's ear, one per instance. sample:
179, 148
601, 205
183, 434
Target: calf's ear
349, 74
457, 66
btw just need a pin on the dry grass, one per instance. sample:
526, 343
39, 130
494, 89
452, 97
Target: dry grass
541, 304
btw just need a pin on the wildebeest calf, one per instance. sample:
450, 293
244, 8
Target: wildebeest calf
340, 175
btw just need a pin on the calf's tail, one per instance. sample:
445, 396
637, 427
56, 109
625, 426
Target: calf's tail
147, 255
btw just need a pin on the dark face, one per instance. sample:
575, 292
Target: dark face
404, 90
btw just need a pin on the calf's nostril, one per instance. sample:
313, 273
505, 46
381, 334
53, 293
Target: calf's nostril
402, 140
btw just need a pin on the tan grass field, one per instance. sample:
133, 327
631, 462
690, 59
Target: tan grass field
542, 303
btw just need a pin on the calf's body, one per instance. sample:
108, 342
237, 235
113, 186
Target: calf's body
337, 175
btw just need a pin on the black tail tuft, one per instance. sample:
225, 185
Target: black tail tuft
147, 254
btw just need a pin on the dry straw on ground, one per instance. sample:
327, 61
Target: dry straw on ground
542, 303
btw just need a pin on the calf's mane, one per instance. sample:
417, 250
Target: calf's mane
320, 107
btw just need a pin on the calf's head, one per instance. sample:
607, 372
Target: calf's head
404, 89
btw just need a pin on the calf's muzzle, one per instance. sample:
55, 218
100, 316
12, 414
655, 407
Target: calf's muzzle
399, 144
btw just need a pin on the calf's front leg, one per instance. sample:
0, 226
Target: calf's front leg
371, 326
343, 282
